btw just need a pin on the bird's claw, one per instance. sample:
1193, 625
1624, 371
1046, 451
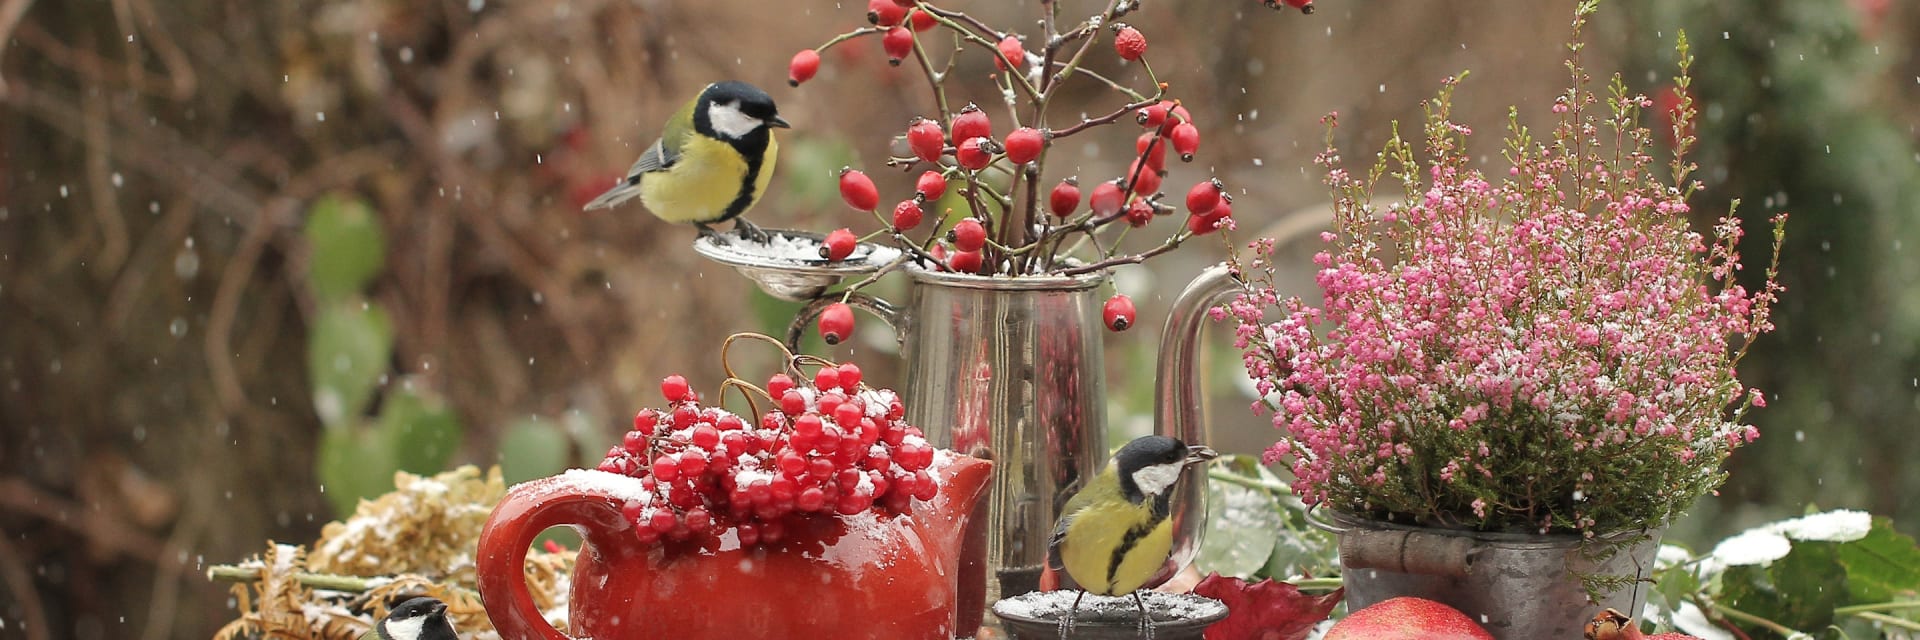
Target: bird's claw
750, 232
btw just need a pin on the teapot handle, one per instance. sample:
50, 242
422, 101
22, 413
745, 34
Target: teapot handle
588, 503
1176, 398
881, 309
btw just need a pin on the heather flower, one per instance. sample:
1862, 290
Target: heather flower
1551, 350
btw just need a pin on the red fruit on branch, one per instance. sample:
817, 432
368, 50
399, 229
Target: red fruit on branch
1010, 48
1146, 180
1106, 200
1129, 43
836, 323
1064, 198
971, 123
1156, 116
975, 153
674, 388
885, 13
1024, 144
930, 186
1186, 140
1407, 619
965, 261
1305, 6
920, 20
1139, 213
969, 235
1152, 147
1117, 313
838, 245
925, 139
1204, 223
906, 215
1204, 196
804, 65
858, 190
898, 43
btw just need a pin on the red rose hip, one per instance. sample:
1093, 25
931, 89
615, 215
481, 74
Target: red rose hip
858, 190
836, 323
1118, 312
804, 65
1024, 145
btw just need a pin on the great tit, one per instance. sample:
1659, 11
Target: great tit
1115, 534
712, 162
421, 618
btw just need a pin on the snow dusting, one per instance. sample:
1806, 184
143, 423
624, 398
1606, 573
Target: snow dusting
1833, 526
1752, 547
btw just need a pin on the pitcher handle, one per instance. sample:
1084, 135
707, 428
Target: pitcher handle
588, 503
1176, 399
885, 311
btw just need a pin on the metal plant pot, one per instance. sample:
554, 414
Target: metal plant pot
1517, 586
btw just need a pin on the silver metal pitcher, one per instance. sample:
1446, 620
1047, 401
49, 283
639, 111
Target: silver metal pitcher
1011, 369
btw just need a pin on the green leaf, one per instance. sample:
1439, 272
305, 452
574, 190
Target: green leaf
346, 248
1242, 527
1883, 566
347, 353
532, 449
354, 463
1799, 590
419, 428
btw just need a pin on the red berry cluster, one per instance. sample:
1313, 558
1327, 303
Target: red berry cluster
832, 446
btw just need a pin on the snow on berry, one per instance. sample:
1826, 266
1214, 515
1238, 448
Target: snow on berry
972, 122
843, 449
926, 140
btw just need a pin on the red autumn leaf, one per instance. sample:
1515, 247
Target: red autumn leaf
1265, 610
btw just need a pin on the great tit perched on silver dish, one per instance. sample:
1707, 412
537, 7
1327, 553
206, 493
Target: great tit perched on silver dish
421, 618
712, 162
1115, 534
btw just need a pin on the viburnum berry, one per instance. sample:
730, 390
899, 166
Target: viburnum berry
885, 13
1139, 213
836, 322
1012, 50
804, 65
674, 388
1204, 223
779, 385
1129, 43
850, 376
1145, 179
1153, 147
1064, 198
898, 43
920, 20
1186, 140
1204, 196
838, 245
824, 379
975, 153
643, 422
969, 235
858, 190
926, 140
930, 186
704, 436
965, 261
1118, 312
1106, 200
972, 122
1024, 144
906, 215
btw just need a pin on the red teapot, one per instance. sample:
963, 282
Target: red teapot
860, 576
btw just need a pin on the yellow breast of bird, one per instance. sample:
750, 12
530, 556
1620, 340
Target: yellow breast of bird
1109, 556
701, 184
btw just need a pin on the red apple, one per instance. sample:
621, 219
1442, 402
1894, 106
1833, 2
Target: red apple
1407, 619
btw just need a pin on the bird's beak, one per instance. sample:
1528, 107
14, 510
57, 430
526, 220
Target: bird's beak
1200, 453
440, 609
778, 121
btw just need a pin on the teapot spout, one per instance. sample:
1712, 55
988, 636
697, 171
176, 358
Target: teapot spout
962, 483
1176, 411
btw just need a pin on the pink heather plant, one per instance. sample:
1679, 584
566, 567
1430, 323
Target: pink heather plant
1552, 353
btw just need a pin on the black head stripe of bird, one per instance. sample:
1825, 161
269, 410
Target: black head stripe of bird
421, 618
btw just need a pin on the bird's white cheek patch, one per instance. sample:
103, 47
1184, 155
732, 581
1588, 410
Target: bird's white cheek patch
1154, 480
408, 629
729, 121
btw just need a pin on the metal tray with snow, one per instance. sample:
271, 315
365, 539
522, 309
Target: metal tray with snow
1175, 616
788, 265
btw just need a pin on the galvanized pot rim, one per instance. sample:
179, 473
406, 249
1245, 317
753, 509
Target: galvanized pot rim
1341, 521
1042, 282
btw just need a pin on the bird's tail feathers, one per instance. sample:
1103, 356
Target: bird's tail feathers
626, 190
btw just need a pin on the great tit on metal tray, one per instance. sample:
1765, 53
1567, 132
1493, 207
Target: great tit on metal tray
421, 618
1115, 534
712, 162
